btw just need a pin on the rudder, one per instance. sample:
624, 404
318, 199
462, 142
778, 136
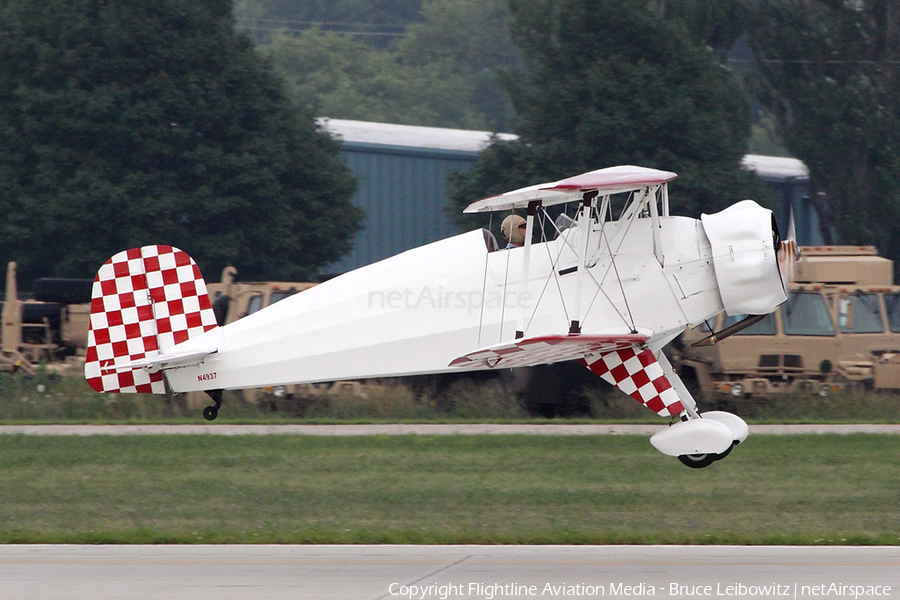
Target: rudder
144, 301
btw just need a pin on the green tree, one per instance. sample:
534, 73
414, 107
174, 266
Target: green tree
339, 77
613, 83
441, 73
124, 124
831, 76
464, 42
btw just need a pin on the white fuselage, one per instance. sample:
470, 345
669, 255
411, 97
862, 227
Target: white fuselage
416, 312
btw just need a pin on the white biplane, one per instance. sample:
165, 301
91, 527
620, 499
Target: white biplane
610, 291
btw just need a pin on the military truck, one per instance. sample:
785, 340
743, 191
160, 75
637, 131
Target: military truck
48, 329
839, 328
232, 301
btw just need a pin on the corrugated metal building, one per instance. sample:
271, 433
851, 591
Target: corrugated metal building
788, 178
403, 176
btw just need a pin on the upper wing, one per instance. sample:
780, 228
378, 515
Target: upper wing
546, 349
611, 180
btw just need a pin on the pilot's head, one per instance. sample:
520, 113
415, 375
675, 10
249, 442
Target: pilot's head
513, 229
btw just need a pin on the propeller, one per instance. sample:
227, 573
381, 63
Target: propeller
788, 254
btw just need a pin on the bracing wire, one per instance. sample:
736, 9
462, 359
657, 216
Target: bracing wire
487, 257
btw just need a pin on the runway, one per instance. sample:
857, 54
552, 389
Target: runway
441, 572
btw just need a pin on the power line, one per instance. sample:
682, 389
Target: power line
808, 61
336, 27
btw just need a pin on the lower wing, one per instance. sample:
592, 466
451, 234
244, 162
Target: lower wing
544, 349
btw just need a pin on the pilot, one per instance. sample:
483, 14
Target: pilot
513, 229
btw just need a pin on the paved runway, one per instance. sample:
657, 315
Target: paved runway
441, 572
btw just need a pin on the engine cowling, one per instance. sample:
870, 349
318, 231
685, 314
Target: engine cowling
743, 240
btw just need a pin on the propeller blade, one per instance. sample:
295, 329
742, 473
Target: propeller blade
788, 255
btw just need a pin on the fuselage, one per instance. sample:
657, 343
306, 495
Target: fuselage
416, 312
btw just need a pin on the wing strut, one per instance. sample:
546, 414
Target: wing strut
533, 207
650, 195
717, 336
584, 221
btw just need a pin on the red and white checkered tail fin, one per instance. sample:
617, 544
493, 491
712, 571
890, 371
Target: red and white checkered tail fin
144, 301
638, 374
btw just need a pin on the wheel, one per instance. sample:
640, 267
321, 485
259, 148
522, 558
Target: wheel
210, 413
698, 461
727, 452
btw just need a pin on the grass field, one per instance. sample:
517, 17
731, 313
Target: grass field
514, 489
49, 399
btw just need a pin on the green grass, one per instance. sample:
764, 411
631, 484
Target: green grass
445, 489
50, 399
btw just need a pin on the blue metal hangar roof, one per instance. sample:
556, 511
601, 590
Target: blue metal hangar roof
402, 173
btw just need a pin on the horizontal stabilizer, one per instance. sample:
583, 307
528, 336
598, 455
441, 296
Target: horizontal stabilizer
546, 349
170, 360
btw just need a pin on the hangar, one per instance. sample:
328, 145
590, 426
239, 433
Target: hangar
403, 184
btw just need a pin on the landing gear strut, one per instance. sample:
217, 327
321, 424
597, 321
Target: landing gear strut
211, 412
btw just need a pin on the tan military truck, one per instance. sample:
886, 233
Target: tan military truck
232, 301
839, 328
49, 329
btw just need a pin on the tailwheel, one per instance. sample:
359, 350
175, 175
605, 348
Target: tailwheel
211, 412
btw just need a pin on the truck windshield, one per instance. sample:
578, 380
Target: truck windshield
859, 313
764, 327
892, 306
280, 295
806, 314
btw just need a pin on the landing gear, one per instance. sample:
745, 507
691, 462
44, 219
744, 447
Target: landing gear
698, 461
211, 412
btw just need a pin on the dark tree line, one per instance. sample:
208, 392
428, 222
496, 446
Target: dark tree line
154, 122
618, 82
830, 73
128, 123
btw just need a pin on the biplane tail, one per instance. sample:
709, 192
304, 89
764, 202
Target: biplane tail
145, 301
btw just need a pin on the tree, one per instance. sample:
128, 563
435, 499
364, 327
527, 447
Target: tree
440, 73
464, 42
831, 76
124, 124
339, 77
616, 83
